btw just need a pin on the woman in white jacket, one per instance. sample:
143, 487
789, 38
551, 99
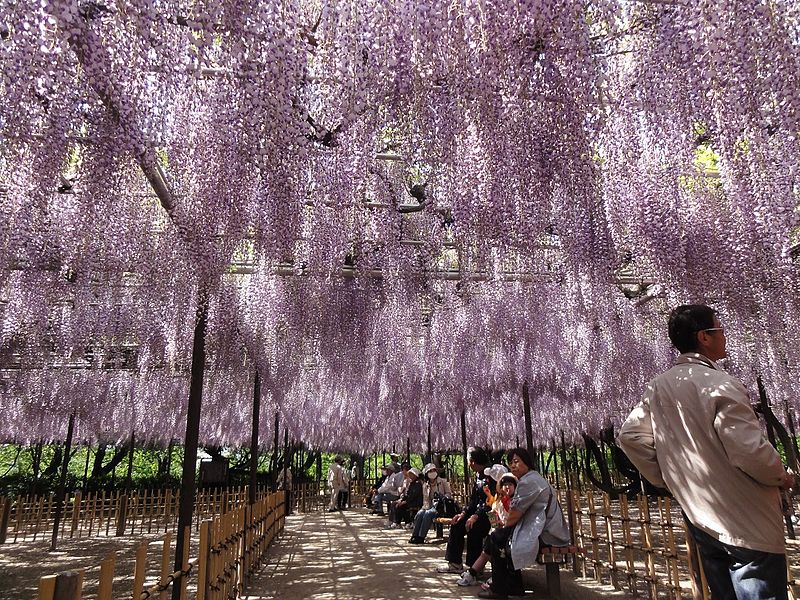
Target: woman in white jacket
434, 487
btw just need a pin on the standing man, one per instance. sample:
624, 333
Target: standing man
336, 482
696, 434
472, 522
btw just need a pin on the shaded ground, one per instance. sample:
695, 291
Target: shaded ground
23, 563
344, 556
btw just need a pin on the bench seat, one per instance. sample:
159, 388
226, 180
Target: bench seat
552, 557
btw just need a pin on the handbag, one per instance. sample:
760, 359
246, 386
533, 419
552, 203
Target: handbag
446, 507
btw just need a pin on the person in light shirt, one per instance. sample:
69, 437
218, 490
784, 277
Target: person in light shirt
695, 434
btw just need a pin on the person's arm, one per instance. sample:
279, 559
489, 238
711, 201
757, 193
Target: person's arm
513, 517
447, 491
637, 441
740, 433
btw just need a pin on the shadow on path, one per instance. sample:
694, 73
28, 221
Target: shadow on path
347, 555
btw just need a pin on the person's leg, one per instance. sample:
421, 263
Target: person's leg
388, 498
418, 519
455, 543
480, 563
475, 537
501, 575
332, 505
427, 519
758, 575
716, 563
377, 503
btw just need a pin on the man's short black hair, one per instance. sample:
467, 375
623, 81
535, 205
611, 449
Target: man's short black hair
478, 455
405, 466
684, 323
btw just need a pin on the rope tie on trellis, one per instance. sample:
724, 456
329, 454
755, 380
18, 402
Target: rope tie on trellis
164, 585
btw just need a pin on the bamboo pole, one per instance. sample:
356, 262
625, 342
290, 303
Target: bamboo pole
139, 570
165, 560
203, 575
612, 551
47, 587
106, 587
62, 484
76, 513
647, 539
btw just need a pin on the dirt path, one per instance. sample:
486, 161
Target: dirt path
344, 556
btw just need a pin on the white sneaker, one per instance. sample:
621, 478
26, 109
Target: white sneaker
467, 579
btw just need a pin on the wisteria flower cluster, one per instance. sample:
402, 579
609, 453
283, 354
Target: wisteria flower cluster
394, 212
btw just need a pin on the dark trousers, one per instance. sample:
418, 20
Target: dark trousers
735, 573
455, 544
341, 499
506, 579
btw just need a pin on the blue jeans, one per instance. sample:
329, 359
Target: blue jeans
422, 522
381, 498
735, 573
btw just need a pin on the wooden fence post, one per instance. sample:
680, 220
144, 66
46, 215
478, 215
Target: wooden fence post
106, 587
76, 512
122, 513
64, 586
69, 586
202, 561
47, 587
647, 538
139, 570
612, 551
5, 519
166, 553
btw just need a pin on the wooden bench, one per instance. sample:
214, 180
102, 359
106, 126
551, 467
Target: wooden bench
552, 557
439, 524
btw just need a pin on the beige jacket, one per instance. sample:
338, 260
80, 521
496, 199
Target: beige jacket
696, 434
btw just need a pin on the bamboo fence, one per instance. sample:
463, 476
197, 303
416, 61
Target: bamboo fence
232, 547
638, 545
24, 518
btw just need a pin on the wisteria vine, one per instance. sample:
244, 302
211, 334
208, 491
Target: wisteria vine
396, 211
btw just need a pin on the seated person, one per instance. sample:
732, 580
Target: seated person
410, 500
506, 486
534, 514
434, 488
473, 521
389, 489
369, 497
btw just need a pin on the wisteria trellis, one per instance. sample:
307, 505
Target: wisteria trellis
403, 209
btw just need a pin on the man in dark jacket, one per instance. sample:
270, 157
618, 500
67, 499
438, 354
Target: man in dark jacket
472, 522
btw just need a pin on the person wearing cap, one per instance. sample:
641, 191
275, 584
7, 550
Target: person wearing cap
473, 522
389, 489
410, 499
534, 516
336, 481
434, 487
395, 459
498, 538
